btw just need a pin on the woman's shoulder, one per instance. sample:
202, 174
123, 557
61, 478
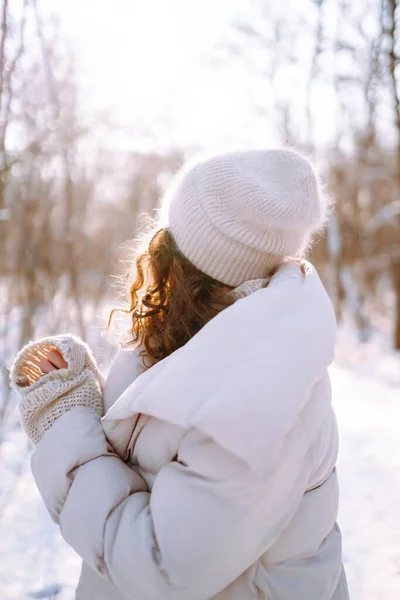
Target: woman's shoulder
125, 368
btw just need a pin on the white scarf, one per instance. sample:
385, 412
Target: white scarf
244, 379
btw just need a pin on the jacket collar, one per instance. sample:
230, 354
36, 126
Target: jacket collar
246, 377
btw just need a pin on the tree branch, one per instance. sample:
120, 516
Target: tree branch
2, 45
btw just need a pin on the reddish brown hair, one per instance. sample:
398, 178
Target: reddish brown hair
170, 299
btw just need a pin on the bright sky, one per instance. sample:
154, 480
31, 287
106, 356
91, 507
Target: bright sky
151, 62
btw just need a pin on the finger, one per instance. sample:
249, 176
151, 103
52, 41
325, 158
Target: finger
31, 372
57, 360
46, 367
34, 358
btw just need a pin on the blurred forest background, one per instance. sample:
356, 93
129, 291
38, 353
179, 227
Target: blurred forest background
68, 199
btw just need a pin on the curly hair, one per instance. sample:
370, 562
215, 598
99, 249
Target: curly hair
170, 299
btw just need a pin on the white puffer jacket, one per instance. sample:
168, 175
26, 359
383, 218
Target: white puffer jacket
220, 482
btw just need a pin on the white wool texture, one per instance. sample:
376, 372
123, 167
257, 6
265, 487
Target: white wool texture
45, 398
237, 215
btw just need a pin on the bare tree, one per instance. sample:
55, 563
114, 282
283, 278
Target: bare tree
392, 34
363, 170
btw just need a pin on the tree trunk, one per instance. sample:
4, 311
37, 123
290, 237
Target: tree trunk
395, 267
393, 61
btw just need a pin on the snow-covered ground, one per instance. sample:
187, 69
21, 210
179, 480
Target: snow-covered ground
34, 559
33, 556
366, 384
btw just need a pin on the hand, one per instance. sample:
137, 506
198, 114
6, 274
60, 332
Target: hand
53, 362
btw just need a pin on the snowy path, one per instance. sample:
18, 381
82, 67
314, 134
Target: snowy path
33, 556
369, 419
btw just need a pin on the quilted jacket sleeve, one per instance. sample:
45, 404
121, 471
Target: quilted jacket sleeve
207, 519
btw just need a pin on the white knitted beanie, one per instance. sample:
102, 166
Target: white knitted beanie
235, 216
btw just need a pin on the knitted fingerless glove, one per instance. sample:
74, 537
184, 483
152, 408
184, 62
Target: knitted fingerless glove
44, 398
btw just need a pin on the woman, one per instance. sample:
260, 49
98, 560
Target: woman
212, 473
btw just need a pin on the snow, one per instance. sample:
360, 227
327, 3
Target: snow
386, 216
334, 236
36, 563
34, 560
369, 470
